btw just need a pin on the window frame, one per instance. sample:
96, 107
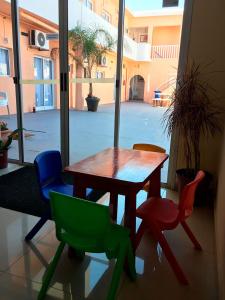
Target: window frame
8, 63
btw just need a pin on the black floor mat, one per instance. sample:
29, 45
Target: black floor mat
19, 191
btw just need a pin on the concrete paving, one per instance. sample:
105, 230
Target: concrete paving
92, 132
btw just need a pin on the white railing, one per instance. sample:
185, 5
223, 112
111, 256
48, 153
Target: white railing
165, 51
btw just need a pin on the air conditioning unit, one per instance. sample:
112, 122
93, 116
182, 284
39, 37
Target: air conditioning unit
39, 39
103, 61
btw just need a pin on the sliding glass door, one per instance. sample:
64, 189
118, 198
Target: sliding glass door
8, 107
39, 53
93, 28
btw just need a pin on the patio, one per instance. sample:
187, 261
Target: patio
91, 132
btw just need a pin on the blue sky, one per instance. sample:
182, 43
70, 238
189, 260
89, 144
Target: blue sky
147, 4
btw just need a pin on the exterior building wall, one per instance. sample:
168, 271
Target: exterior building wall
160, 30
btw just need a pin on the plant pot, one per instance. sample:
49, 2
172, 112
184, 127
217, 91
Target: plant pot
92, 103
3, 159
205, 191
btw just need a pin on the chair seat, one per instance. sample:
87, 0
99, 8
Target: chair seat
66, 189
162, 211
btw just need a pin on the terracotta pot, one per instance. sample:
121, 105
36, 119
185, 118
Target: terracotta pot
3, 159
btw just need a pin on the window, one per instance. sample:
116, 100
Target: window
106, 16
4, 62
89, 4
100, 74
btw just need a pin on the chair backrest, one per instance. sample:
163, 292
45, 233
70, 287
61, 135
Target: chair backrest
49, 167
3, 99
77, 216
188, 196
149, 147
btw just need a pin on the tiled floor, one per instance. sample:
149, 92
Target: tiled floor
22, 265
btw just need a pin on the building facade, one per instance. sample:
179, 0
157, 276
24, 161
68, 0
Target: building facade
151, 50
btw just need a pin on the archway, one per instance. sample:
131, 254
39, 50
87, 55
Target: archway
137, 87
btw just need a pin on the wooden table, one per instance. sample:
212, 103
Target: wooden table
119, 171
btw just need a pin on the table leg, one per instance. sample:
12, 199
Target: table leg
155, 184
130, 216
79, 190
113, 204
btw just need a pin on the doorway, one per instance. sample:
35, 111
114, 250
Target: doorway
43, 70
137, 87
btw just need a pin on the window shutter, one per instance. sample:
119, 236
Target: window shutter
170, 3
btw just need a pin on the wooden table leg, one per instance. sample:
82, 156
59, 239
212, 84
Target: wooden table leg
79, 190
113, 204
155, 184
130, 216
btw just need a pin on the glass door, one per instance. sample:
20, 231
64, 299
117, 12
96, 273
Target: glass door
39, 53
8, 106
43, 70
92, 75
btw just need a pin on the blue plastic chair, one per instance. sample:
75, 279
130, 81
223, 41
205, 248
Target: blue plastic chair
49, 174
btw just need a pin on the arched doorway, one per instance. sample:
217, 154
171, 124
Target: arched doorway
137, 87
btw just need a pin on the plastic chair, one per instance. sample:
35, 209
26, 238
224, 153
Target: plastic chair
159, 214
148, 147
86, 226
49, 169
113, 203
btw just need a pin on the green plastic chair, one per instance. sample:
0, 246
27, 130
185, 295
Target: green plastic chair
86, 227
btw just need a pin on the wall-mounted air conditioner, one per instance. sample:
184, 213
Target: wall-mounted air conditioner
39, 39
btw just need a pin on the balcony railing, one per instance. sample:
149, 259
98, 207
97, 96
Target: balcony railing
165, 51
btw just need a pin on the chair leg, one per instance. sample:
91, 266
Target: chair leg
191, 235
170, 256
131, 262
117, 272
113, 204
50, 271
139, 234
36, 228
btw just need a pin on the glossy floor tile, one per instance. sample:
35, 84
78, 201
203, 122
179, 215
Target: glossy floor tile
22, 265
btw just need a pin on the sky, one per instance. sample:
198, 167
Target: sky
147, 4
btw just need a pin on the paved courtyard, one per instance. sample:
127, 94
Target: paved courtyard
91, 132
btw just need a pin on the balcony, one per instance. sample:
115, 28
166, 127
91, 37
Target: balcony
165, 52
79, 14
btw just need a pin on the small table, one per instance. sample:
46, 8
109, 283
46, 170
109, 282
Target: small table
119, 171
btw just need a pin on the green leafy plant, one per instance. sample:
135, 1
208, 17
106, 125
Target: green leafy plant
5, 143
88, 45
194, 112
3, 126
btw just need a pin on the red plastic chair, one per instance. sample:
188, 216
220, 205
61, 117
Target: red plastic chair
159, 214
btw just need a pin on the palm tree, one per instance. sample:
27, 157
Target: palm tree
88, 45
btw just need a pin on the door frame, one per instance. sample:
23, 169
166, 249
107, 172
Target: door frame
64, 82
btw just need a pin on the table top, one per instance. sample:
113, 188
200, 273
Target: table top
119, 164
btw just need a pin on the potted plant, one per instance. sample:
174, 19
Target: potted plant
193, 113
88, 45
5, 143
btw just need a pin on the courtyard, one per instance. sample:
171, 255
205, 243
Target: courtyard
91, 132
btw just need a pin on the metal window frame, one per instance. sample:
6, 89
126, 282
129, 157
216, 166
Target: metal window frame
64, 82
17, 77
